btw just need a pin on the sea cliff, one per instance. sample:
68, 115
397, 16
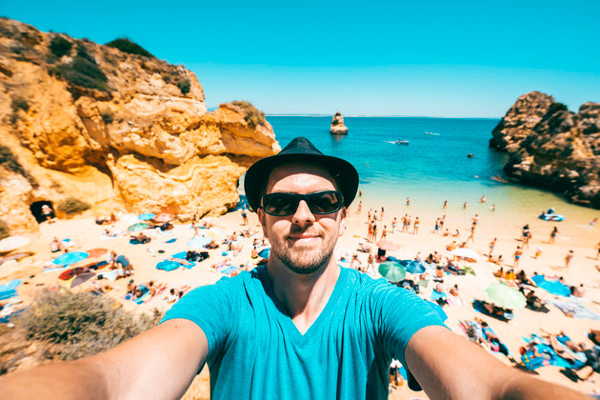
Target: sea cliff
115, 127
551, 147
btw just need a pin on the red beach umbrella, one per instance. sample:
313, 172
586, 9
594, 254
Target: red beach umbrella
387, 245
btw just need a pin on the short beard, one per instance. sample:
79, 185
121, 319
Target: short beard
305, 262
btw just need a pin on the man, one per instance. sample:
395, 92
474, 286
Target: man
299, 327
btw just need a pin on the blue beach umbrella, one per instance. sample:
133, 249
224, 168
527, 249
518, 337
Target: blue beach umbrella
413, 266
146, 216
265, 253
70, 258
198, 242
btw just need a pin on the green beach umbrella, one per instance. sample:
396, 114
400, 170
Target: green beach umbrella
140, 226
505, 296
392, 271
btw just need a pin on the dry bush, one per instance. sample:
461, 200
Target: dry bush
81, 324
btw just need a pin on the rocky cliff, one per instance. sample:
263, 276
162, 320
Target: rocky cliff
551, 147
116, 129
337, 125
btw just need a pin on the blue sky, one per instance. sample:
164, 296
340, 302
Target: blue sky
422, 58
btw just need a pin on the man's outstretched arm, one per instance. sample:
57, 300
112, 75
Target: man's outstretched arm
158, 364
450, 367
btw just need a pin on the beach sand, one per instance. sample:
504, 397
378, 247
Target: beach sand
575, 235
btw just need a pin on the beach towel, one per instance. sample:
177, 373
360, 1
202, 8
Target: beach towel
551, 285
10, 289
485, 333
550, 356
168, 265
141, 300
572, 308
171, 240
478, 306
435, 295
182, 256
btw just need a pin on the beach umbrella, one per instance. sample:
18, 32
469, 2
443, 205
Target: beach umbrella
82, 278
505, 297
265, 253
140, 226
95, 257
146, 216
70, 258
16, 256
465, 253
12, 243
164, 217
393, 271
413, 266
551, 285
387, 245
197, 242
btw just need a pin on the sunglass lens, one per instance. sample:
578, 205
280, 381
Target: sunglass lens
280, 204
325, 202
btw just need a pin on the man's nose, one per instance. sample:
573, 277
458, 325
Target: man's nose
303, 215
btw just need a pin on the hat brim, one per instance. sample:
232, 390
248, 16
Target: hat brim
342, 171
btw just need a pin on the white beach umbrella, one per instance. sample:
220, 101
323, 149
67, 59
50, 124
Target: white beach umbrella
12, 243
465, 253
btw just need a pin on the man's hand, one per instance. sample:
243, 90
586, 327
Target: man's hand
158, 364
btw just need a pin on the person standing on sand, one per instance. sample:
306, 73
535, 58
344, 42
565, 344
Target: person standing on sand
416, 226
492, 246
553, 234
408, 201
568, 258
518, 254
394, 223
465, 204
331, 331
445, 204
384, 232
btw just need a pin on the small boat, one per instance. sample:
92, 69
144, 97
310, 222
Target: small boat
397, 141
432, 133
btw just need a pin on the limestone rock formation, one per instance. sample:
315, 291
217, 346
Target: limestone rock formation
337, 125
117, 130
551, 147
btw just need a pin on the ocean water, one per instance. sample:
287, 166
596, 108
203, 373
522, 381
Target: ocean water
431, 169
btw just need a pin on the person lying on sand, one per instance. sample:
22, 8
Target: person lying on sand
181, 261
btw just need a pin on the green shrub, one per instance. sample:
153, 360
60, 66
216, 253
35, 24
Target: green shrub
82, 71
60, 46
253, 116
184, 86
127, 46
19, 103
71, 205
81, 324
4, 231
9, 161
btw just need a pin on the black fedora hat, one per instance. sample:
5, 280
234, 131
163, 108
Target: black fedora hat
300, 149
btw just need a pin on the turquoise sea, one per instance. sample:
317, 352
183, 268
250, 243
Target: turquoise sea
434, 167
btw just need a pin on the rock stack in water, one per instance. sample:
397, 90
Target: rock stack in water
337, 125
116, 128
551, 147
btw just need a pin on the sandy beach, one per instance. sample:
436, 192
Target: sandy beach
85, 234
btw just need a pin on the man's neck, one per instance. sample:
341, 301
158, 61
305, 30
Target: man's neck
303, 296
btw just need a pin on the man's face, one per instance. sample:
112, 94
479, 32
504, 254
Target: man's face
302, 241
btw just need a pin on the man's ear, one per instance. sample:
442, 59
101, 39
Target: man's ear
342, 221
262, 218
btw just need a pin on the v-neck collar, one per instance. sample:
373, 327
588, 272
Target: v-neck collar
292, 331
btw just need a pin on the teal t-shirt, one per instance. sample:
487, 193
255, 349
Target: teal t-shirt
256, 351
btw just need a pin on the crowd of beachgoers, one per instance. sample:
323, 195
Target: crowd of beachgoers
527, 292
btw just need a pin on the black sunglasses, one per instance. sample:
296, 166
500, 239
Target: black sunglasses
281, 204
